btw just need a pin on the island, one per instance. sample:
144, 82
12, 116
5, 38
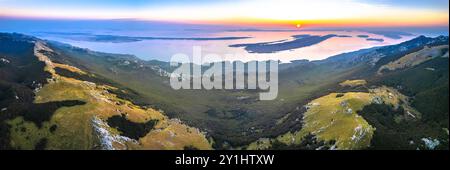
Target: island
299, 41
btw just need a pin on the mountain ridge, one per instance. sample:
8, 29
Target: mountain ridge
244, 119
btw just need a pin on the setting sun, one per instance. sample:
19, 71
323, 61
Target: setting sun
255, 76
315, 13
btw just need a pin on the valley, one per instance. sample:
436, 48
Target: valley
96, 100
97, 121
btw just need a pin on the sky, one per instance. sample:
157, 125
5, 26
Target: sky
276, 12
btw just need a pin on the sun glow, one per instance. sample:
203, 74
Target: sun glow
269, 12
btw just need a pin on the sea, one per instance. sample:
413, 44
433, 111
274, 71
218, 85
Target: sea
163, 40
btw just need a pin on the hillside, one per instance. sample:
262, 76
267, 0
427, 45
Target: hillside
70, 113
404, 108
93, 100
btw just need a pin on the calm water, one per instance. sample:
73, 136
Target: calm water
164, 49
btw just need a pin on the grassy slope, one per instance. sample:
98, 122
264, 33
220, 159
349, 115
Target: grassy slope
220, 113
335, 119
242, 121
428, 90
234, 121
399, 125
415, 58
74, 124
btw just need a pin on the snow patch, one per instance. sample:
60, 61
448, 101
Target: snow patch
109, 141
3, 60
359, 134
431, 143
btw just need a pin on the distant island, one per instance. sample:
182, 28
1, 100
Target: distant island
367, 37
375, 39
344, 36
300, 41
388, 34
391, 34
124, 39
363, 36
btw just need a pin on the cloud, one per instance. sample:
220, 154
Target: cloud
356, 11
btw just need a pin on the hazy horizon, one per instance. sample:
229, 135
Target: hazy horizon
136, 27
268, 13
